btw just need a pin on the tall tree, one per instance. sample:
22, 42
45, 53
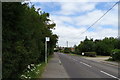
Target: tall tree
24, 32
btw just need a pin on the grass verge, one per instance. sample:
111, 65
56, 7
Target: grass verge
35, 71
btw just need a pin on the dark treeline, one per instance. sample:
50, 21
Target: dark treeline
101, 47
23, 37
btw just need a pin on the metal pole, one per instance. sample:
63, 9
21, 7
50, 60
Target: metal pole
67, 44
45, 51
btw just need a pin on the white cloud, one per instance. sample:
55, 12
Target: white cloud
68, 33
72, 34
72, 8
90, 18
70, 0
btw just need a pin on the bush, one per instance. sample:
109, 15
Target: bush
23, 38
67, 50
91, 54
116, 54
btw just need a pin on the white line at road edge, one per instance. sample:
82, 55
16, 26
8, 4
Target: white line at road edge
85, 64
109, 75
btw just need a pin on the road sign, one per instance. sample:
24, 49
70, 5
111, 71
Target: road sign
47, 38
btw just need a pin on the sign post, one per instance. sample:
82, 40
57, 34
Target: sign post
46, 39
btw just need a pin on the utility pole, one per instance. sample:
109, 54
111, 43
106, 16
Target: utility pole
46, 39
45, 51
67, 44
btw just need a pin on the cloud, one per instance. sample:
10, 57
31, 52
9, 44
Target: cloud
74, 18
72, 8
72, 0
72, 34
109, 19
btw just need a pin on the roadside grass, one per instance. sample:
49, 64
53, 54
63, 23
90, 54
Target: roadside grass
75, 55
36, 71
102, 56
98, 56
66, 53
111, 60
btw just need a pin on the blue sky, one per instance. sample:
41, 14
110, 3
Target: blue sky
73, 18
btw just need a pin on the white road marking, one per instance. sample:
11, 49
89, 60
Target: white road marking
109, 75
74, 59
59, 62
85, 64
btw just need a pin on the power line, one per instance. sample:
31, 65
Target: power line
101, 17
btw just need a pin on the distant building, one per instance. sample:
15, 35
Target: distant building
72, 49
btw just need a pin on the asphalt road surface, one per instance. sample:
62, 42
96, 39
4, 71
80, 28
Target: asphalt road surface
78, 67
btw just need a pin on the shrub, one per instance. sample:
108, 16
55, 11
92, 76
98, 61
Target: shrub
116, 54
67, 50
91, 54
23, 38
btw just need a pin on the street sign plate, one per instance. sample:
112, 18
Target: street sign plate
47, 38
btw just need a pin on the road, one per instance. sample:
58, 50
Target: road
78, 67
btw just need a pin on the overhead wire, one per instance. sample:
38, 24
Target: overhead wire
101, 17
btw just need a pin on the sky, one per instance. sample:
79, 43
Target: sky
73, 18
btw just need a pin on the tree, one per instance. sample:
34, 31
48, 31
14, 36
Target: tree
85, 46
24, 32
101, 47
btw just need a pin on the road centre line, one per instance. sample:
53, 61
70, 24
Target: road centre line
59, 61
82, 63
74, 59
85, 64
100, 71
109, 75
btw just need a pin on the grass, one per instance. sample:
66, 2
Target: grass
66, 53
102, 56
110, 59
75, 55
89, 56
36, 71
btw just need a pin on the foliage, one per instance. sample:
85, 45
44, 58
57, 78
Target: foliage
101, 47
67, 50
33, 72
91, 54
116, 54
24, 31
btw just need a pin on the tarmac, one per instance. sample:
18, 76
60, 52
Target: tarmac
55, 69
103, 60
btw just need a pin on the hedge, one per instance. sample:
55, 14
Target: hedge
116, 54
67, 50
91, 54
